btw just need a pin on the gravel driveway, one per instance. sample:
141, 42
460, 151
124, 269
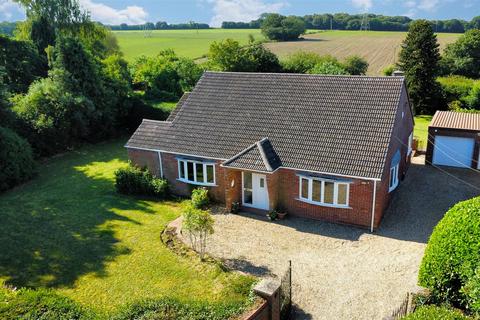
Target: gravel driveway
342, 272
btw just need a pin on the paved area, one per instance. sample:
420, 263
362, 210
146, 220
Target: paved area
342, 272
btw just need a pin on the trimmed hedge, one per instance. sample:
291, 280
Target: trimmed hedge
16, 159
453, 254
41, 304
139, 181
169, 309
436, 313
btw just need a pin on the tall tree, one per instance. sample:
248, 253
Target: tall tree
463, 56
419, 59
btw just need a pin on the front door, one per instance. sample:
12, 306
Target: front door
255, 192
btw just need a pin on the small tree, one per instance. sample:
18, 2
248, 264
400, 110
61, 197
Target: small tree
419, 59
356, 65
199, 224
278, 27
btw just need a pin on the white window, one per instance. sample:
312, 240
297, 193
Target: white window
393, 178
196, 172
324, 192
410, 144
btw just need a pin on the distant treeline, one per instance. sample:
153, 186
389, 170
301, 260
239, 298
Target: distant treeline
161, 25
7, 27
344, 21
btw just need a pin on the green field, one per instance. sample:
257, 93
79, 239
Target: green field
70, 231
188, 43
379, 48
421, 130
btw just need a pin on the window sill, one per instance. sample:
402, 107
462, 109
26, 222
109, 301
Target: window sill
198, 183
323, 204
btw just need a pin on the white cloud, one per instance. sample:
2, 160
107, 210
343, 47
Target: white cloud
241, 10
365, 5
108, 15
8, 8
428, 5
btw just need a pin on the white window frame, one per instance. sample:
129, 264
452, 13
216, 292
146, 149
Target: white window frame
410, 144
310, 200
393, 184
183, 162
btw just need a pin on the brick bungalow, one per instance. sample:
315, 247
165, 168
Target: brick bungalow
324, 147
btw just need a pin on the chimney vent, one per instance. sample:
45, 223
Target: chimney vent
398, 73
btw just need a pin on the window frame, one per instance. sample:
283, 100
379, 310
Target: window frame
395, 181
184, 163
410, 144
322, 202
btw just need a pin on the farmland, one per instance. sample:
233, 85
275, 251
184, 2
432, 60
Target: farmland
379, 48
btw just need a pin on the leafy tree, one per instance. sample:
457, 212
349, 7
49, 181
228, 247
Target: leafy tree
475, 23
278, 27
199, 225
355, 65
463, 56
21, 64
16, 160
301, 62
262, 59
189, 73
228, 55
328, 67
419, 60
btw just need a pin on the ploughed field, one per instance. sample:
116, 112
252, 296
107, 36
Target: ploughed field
379, 48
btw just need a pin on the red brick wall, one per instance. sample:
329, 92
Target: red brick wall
170, 172
360, 201
400, 134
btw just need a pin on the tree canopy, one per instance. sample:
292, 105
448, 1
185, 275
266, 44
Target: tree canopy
281, 28
463, 56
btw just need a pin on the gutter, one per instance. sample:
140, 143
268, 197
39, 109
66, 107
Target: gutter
373, 204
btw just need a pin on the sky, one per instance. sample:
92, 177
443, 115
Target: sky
216, 11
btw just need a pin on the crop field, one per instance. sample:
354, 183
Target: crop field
379, 48
188, 43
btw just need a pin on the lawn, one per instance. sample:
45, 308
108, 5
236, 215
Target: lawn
69, 230
421, 130
189, 43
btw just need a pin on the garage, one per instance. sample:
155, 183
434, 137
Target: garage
454, 139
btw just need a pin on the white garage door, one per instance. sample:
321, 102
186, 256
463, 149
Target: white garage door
453, 151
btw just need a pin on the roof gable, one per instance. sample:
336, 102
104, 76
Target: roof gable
260, 156
330, 124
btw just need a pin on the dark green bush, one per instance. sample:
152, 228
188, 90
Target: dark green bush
169, 309
139, 181
453, 254
16, 159
41, 304
435, 313
139, 110
200, 198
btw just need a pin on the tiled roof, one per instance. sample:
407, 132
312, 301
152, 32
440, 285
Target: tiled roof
178, 107
330, 124
260, 156
456, 120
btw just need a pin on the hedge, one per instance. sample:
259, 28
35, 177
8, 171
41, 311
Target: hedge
453, 254
167, 309
434, 312
41, 304
139, 181
16, 159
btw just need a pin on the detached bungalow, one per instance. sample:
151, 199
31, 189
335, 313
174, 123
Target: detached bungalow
323, 147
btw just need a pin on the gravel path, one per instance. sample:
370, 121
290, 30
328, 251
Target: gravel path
341, 272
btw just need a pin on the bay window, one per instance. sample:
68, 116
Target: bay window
324, 191
196, 172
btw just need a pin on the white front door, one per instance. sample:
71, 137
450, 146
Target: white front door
255, 192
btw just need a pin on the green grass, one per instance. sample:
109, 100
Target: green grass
188, 43
69, 230
421, 130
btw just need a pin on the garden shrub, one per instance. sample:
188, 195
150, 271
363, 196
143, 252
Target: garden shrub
41, 304
433, 312
452, 255
200, 199
16, 159
471, 290
169, 309
139, 181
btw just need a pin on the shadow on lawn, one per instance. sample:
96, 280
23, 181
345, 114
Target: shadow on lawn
59, 226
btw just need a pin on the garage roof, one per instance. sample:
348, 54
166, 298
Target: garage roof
456, 120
